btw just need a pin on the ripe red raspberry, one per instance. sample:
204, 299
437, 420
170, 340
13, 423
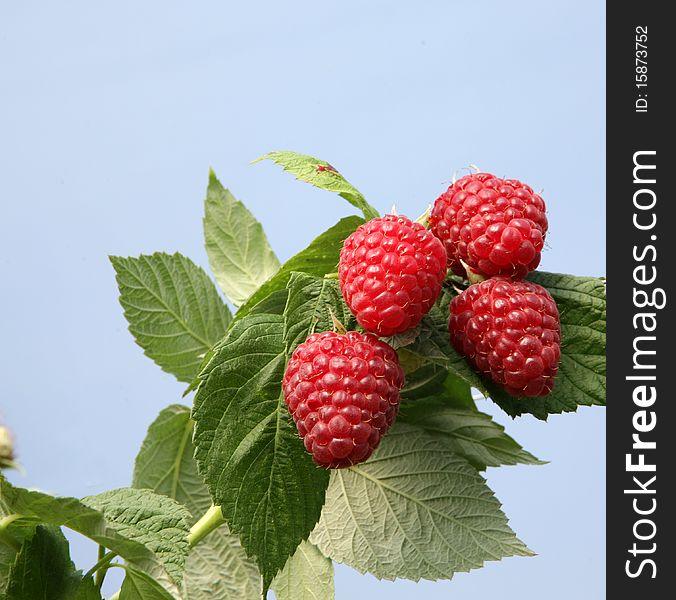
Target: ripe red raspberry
391, 270
343, 394
510, 331
496, 226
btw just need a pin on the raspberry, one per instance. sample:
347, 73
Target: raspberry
496, 226
510, 331
391, 270
343, 394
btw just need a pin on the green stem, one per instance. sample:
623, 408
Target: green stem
5, 522
101, 572
5, 536
104, 561
209, 521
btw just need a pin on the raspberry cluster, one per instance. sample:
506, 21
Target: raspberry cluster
342, 389
495, 226
391, 270
343, 394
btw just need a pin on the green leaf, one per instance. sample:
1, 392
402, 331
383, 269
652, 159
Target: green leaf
581, 379
247, 447
469, 433
272, 304
307, 575
217, 567
412, 362
157, 522
165, 463
309, 306
248, 450
319, 258
322, 175
14, 530
406, 338
457, 393
87, 590
431, 385
43, 569
433, 346
7, 556
240, 255
84, 519
174, 311
415, 510
138, 585
431, 380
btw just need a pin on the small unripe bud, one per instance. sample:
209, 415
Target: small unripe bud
6, 448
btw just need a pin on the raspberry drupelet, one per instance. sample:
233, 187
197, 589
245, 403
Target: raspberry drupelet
342, 391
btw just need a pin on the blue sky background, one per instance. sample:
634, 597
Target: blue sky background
111, 115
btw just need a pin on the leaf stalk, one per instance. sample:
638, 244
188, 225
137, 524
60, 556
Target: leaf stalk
209, 521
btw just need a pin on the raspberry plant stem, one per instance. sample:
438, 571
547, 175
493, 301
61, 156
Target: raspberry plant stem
101, 573
5, 536
209, 521
102, 564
